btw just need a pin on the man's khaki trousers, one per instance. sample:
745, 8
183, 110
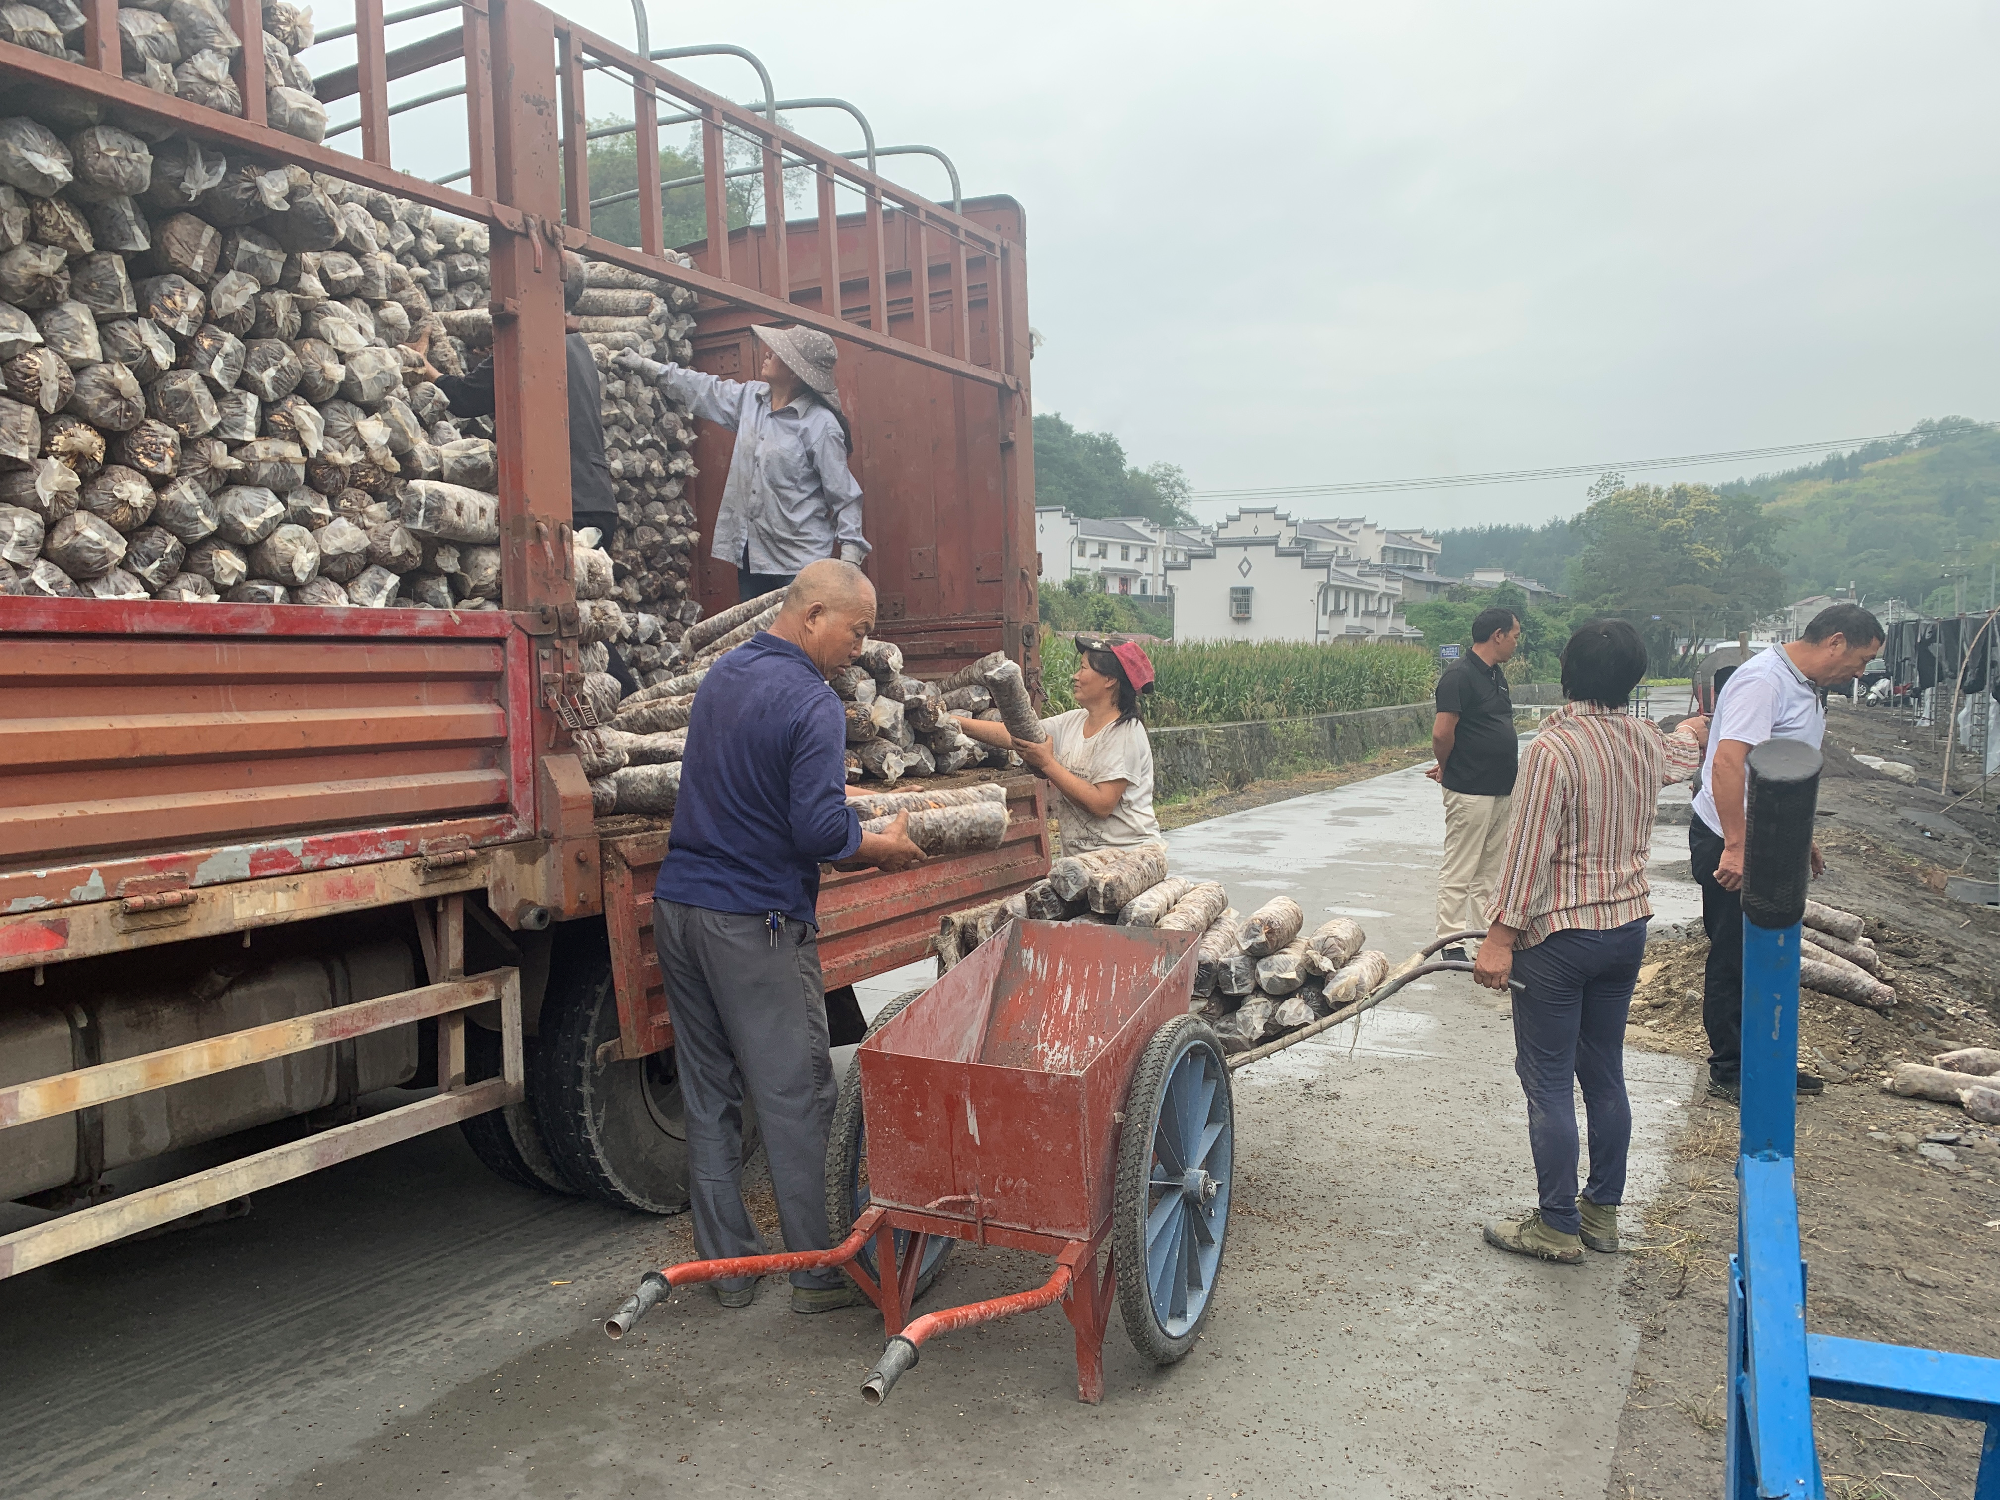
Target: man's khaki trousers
1475, 844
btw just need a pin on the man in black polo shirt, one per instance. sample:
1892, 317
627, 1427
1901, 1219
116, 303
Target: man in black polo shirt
1473, 740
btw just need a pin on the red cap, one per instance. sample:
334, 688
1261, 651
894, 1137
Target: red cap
1138, 666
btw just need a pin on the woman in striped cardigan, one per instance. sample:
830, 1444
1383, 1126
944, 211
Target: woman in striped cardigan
1569, 925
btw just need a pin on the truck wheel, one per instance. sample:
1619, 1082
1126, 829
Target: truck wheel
508, 1140
847, 1167
614, 1129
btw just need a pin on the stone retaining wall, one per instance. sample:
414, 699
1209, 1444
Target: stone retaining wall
1200, 757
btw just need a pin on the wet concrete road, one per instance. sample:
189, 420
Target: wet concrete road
408, 1325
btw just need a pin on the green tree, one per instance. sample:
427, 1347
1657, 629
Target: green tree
1080, 603
1544, 632
1087, 474
1539, 552
1887, 518
614, 168
1675, 560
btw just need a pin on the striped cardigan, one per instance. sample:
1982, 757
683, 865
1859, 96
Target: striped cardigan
1583, 821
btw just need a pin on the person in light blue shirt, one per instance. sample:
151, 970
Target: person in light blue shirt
790, 498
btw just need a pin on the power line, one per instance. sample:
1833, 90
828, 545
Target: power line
1522, 476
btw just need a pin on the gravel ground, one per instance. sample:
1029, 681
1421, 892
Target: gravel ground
407, 1324
1902, 1243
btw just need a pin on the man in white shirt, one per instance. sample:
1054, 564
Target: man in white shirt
1776, 695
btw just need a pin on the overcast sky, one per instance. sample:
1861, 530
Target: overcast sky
1287, 244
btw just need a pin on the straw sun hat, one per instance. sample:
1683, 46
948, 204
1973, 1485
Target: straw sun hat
808, 354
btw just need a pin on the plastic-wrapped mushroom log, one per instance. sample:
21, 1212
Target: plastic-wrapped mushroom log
1010, 695
1216, 944
888, 804
1334, 942
966, 829
883, 660
1285, 970
1109, 877
1844, 981
1197, 908
1843, 925
1247, 1025
743, 632
1271, 926
653, 715
1915, 1081
717, 625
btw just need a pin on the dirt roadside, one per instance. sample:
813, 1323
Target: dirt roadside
1901, 1247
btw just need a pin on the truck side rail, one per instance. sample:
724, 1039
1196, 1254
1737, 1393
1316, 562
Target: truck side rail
447, 998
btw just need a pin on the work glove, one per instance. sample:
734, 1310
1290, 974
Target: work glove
853, 552
632, 362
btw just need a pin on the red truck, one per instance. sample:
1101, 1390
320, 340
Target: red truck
259, 862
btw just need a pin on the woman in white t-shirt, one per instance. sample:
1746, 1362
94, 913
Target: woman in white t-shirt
1097, 756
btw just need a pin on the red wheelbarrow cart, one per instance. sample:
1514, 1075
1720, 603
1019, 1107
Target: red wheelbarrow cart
1051, 1093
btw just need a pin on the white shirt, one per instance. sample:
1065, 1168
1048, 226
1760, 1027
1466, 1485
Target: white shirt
1117, 752
1767, 698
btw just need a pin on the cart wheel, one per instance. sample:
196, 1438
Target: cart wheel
847, 1167
1172, 1208
508, 1140
616, 1130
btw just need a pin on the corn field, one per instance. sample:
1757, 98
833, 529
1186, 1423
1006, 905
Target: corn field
1223, 682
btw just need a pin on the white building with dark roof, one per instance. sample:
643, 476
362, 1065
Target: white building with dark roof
1492, 578
1264, 576
1125, 555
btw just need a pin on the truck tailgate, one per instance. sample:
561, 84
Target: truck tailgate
869, 922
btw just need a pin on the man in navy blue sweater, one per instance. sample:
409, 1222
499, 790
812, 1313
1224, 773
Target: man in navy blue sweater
763, 804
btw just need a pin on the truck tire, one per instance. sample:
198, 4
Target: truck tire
846, 1153
508, 1140
614, 1129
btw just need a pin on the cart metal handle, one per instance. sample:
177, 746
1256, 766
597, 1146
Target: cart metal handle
1415, 967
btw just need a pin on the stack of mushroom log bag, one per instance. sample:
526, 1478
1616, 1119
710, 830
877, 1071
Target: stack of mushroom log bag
1256, 977
209, 389
896, 725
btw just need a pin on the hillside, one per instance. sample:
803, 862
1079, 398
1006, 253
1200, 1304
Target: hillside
1889, 520
1885, 517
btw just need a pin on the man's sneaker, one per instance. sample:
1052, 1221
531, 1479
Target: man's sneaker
1600, 1225
1455, 954
1811, 1083
1530, 1236
735, 1296
807, 1299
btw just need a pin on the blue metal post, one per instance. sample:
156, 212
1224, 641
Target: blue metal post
1775, 1367
1771, 1450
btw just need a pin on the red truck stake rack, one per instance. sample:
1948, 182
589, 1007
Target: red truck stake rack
171, 772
